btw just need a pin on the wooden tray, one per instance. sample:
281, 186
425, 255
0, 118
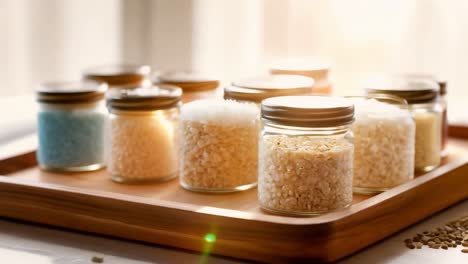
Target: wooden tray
166, 214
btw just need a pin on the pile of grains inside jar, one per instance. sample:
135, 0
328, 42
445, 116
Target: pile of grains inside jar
71, 126
451, 235
305, 155
384, 135
144, 142
219, 142
428, 138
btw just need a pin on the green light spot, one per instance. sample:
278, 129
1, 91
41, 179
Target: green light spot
210, 238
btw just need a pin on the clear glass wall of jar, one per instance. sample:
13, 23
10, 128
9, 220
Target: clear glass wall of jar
219, 146
421, 95
71, 126
305, 155
195, 86
119, 76
443, 103
384, 136
144, 133
256, 89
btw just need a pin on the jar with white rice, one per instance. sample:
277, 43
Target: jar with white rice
421, 95
384, 135
219, 146
305, 155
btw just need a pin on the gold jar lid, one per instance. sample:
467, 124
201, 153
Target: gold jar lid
144, 98
442, 82
384, 98
118, 75
188, 81
414, 89
318, 70
259, 88
308, 111
61, 92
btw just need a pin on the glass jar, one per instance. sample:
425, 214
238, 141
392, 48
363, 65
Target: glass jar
319, 71
421, 95
143, 133
71, 124
219, 146
305, 155
119, 76
195, 86
256, 89
384, 136
443, 103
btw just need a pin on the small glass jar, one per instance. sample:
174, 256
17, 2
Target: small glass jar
195, 86
119, 76
143, 133
421, 95
443, 103
305, 155
319, 71
254, 90
71, 124
219, 146
384, 135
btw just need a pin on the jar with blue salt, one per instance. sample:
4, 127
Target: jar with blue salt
71, 126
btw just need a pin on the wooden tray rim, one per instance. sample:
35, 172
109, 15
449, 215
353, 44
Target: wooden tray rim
324, 219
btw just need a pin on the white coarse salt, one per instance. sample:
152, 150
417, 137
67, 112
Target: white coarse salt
384, 136
305, 174
219, 145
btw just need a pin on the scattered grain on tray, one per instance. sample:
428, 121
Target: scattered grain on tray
451, 235
219, 144
97, 259
305, 173
384, 137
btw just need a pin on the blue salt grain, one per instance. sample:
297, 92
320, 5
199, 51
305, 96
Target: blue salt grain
71, 139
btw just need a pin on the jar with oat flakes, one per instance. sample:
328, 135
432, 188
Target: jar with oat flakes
219, 146
305, 155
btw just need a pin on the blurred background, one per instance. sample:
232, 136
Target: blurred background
55, 39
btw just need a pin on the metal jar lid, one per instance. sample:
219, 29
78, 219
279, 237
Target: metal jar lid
308, 111
70, 92
118, 75
188, 81
259, 88
411, 88
318, 70
144, 98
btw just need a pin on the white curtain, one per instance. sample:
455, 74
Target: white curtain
56, 39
